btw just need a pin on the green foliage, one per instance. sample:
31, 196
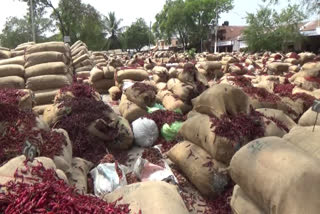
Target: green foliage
112, 26
188, 19
137, 35
269, 30
192, 52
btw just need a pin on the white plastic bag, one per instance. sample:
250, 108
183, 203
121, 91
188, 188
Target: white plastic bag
127, 84
147, 171
145, 132
106, 178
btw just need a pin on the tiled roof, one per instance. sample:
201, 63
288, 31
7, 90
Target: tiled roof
309, 26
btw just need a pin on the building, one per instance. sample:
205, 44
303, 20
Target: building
311, 30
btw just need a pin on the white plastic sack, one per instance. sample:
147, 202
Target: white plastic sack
145, 132
146, 171
106, 178
127, 84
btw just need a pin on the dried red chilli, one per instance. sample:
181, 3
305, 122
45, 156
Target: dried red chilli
131, 178
153, 155
52, 195
220, 205
79, 90
261, 94
11, 96
240, 81
162, 117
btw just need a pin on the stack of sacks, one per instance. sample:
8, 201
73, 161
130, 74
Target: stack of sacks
274, 175
136, 99
99, 59
20, 49
12, 73
210, 69
46, 71
308, 78
4, 53
102, 78
126, 75
81, 59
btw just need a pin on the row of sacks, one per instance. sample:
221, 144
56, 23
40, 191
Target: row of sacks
81, 60
277, 175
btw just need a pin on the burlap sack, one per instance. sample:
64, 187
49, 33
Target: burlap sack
4, 54
172, 82
19, 60
200, 131
198, 166
160, 74
277, 176
278, 68
27, 100
8, 170
272, 129
83, 74
50, 68
48, 46
143, 99
306, 57
132, 74
53, 113
77, 44
63, 160
149, 197
15, 53
211, 66
213, 57
12, 82
115, 93
11, 70
103, 85
308, 77
108, 72
23, 46
306, 139
76, 61
279, 115
47, 82
44, 57
78, 174
309, 118
294, 69
86, 62
44, 97
184, 91
291, 61
75, 51
172, 103
161, 86
188, 75
129, 110
40, 109
221, 99
125, 138
242, 204
84, 68
96, 74
174, 72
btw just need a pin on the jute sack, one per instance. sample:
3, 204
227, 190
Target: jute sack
108, 72
103, 85
44, 57
306, 57
241, 204
11, 70
80, 59
291, 61
278, 68
53, 113
172, 82
50, 68
306, 139
75, 51
47, 82
200, 130
198, 166
143, 98
308, 77
63, 160
213, 57
83, 74
19, 60
8, 170
86, 62
78, 174
188, 75
115, 93
96, 74
129, 110
48, 46
149, 197
132, 74
27, 100
279, 115
160, 74
278, 176
125, 138
309, 118
161, 86
12, 82
5, 54
77, 44
84, 68
44, 97
24, 46
184, 91
221, 99
40, 109
172, 102
81, 53
15, 53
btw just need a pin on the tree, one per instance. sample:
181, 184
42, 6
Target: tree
138, 35
188, 20
113, 29
312, 6
269, 30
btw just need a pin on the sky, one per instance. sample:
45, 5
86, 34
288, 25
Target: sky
130, 10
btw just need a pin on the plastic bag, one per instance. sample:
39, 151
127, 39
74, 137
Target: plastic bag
106, 178
156, 107
169, 132
147, 171
145, 132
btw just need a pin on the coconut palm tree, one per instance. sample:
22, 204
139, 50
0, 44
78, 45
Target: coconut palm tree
113, 29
